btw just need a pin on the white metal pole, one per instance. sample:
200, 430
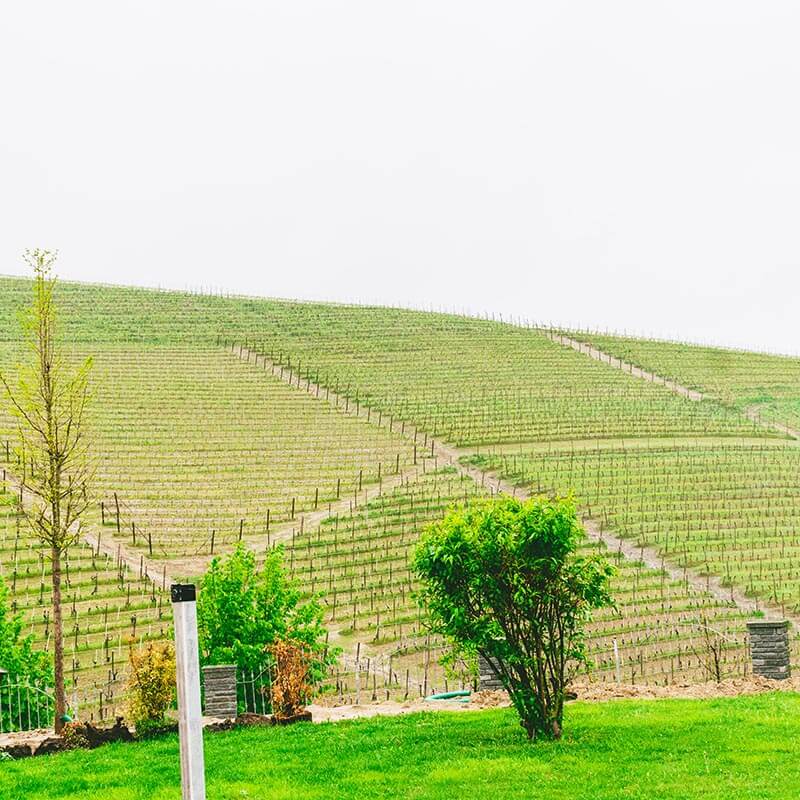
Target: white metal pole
190, 719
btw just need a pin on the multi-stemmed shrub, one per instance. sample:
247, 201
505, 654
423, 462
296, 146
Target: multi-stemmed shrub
502, 577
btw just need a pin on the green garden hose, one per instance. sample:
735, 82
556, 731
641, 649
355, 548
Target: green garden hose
464, 693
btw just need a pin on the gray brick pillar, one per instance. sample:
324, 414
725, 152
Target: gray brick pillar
487, 677
219, 682
769, 648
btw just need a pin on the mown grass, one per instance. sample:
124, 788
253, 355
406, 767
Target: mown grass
726, 748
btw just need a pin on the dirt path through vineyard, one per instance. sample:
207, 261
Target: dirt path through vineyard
752, 412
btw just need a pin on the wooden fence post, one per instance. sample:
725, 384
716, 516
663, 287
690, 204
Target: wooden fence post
190, 720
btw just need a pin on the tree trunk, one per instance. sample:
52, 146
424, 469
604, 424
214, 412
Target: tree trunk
58, 642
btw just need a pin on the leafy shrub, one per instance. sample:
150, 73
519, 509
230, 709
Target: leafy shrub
26, 667
502, 577
151, 685
243, 610
17, 655
290, 689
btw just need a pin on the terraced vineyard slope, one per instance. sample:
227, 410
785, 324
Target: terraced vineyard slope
340, 431
762, 382
729, 509
360, 560
106, 605
474, 382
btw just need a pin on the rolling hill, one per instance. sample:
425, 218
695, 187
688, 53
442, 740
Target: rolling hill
340, 430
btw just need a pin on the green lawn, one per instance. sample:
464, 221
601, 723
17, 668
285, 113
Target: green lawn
731, 748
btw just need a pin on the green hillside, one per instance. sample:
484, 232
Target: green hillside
361, 559
765, 382
474, 381
106, 602
341, 431
728, 510
196, 442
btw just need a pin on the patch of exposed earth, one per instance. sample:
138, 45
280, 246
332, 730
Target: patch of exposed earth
594, 692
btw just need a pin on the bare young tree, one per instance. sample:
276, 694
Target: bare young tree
711, 650
49, 400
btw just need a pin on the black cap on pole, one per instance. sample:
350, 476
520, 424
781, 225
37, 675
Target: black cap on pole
183, 593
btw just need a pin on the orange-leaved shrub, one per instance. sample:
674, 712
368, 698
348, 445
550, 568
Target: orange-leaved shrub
290, 687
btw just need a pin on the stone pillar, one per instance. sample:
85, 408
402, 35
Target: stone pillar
220, 691
769, 648
488, 680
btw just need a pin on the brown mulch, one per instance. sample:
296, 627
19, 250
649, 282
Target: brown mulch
732, 687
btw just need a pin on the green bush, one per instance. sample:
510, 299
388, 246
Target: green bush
151, 685
502, 577
25, 667
243, 610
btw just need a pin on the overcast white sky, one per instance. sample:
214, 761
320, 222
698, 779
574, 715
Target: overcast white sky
626, 165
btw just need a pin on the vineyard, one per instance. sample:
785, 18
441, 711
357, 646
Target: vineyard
199, 449
341, 431
759, 381
472, 382
106, 605
360, 560
729, 510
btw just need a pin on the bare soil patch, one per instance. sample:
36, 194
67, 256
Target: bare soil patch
592, 692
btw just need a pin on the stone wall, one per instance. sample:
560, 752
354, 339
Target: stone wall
219, 682
769, 648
